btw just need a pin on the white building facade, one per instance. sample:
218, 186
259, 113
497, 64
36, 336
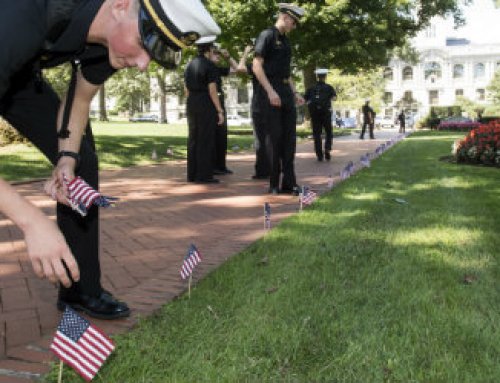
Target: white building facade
452, 63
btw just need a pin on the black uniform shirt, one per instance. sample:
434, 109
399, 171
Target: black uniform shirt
221, 72
25, 24
199, 73
368, 113
320, 95
275, 49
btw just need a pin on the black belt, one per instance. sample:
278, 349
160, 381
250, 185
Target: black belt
279, 80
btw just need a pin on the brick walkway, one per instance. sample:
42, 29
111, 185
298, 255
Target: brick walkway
144, 240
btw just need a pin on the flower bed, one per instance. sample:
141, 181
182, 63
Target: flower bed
458, 126
480, 146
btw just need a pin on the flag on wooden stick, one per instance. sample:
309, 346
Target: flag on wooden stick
192, 258
267, 215
307, 196
81, 345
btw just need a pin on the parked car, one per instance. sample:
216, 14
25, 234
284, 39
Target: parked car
384, 122
346, 122
144, 118
237, 120
454, 119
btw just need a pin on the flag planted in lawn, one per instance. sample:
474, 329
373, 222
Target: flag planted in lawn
192, 258
81, 345
82, 196
307, 196
267, 215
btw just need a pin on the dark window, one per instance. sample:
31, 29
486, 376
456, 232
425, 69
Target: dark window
433, 97
480, 94
388, 74
432, 71
458, 71
388, 97
408, 73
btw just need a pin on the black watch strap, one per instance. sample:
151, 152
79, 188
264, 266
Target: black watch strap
65, 153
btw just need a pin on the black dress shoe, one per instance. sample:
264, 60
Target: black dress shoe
320, 159
260, 177
207, 181
294, 191
228, 171
327, 156
103, 306
219, 172
273, 191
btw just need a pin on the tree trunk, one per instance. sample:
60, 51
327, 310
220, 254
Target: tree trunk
163, 97
309, 81
103, 115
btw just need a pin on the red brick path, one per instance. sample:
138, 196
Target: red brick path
143, 240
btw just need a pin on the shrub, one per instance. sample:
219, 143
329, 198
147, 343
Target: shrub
480, 146
458, 126
8, 134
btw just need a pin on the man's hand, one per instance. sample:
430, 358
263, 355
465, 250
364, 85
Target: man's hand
48, 250
274, 99
220, 117
56, 185
299, 99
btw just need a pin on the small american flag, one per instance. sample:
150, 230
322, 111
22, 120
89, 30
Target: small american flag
81, 345
365, 161
308, 196
330, 182
267, 216
82, 196
192, 258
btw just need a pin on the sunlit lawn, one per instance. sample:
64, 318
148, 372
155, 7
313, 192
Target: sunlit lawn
358, 288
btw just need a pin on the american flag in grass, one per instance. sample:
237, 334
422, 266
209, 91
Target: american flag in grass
81, 345
308, 196
267, 215
192, 258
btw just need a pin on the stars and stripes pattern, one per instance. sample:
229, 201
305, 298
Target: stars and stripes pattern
307, 196
82, 196
267, 215
81, 345
192, 258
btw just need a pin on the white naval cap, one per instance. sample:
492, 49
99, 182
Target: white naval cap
291, 10
181, 22
205, 40
321, 71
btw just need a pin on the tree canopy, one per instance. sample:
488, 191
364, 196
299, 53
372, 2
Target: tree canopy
350, 35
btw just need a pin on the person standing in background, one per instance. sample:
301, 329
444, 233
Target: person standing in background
204, 113
368, 119
319, 100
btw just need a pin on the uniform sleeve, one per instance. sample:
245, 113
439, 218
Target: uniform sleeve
307, 96
334, 94
212, 74
264, 43
17, 49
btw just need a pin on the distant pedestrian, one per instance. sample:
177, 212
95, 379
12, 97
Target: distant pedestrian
368, 119
402, 121
319, 100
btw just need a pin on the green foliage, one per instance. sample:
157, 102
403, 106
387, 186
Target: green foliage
353, 89
8, 135
494, 88
131, 89
349, 35
58, 77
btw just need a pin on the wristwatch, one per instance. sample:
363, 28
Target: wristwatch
66, 153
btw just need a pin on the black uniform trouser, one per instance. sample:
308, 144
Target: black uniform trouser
321, 119
280, 131
202, 123
221, 142
363, 129
261, 160
34, 114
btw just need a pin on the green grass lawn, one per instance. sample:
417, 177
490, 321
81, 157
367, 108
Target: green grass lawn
121, 144
358, 288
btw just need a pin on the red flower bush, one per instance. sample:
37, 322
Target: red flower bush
480, 146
